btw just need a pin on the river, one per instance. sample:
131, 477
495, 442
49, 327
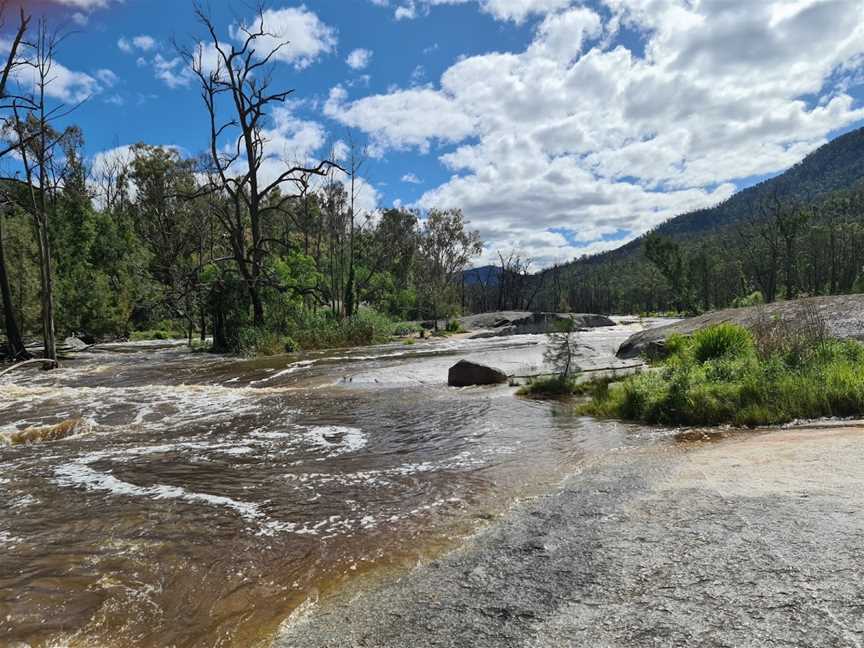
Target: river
201, 499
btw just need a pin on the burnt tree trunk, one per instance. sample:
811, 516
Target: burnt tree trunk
16, 349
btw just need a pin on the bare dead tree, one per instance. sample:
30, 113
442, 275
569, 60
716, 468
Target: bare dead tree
237, 92
357, 157
16, 350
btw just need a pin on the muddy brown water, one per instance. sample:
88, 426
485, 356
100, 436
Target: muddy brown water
204, 498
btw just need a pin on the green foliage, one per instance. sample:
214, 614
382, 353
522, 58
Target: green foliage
549, 387
718, 377
755, 298
322, 331
157, 334
722, 341
453, 326
260, 342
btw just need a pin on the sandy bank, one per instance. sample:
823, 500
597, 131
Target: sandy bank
754, 540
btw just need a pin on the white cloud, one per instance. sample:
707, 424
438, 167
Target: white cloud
174, 72
300, 33
578, 132
141, 43
65, 85
144, 43
411, 178
514, 10
359, 59
87, 5
405, 118
107, 77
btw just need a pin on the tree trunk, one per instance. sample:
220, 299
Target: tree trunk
257, 306
13, 333
49, 340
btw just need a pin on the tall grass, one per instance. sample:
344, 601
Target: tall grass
723, 374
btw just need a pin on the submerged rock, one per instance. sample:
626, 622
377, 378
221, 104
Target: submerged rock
47, 433
465, 373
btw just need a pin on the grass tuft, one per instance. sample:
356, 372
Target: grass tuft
718, 376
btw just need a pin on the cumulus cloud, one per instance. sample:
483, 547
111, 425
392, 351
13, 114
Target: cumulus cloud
141, 43
65, 85
402, 119
359, 59
514, 10
578, 131
85, 4
298, 33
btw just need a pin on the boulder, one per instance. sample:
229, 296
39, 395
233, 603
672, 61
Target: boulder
465, 373
74, 344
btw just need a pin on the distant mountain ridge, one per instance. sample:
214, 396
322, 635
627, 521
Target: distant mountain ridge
837, 165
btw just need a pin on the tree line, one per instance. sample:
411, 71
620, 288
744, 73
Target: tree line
220, 244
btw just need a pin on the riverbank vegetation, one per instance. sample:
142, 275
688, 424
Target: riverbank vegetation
726, 374
234, 244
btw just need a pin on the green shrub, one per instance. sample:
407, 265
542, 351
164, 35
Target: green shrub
260, 342
322, 331
156, 334
549, 387
718, 378
753, 299
722, 341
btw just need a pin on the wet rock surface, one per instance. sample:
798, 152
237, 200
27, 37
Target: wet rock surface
747, 542
843, 316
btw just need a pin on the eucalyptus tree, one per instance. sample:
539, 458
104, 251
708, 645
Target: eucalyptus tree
445, 250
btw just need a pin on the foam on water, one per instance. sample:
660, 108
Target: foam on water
336, 440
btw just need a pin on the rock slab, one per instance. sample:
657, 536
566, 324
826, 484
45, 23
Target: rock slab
843, 316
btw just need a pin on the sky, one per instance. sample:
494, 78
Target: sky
559, 127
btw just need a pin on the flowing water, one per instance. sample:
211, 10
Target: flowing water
196, 500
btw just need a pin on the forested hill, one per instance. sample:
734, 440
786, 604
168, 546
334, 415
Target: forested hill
839, 164
799, 233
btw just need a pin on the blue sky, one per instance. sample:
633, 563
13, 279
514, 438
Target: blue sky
560, 127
